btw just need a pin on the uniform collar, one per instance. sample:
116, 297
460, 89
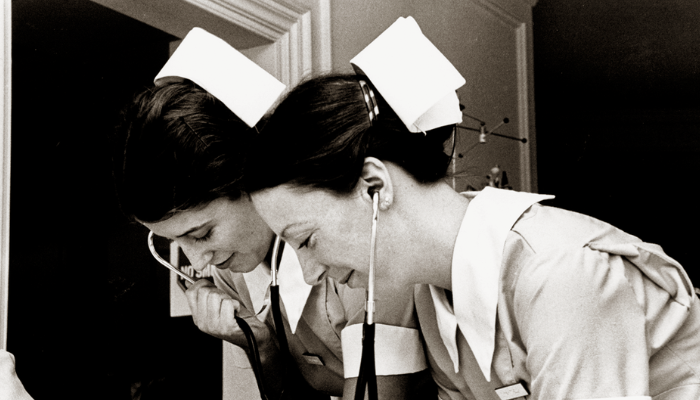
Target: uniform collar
294, 291
476, 266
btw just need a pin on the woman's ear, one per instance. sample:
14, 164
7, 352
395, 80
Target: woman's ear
376, 178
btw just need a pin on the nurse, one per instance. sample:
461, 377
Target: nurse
515, 299
178, 170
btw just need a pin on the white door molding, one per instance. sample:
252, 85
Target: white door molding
6, 81
299, 29
496, 56
517, 15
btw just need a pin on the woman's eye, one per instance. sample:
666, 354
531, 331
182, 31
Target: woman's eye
305, 243
203, 238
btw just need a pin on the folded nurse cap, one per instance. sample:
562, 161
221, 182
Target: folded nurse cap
245, 88
413, 76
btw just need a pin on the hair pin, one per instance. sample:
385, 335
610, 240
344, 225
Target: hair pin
370, 101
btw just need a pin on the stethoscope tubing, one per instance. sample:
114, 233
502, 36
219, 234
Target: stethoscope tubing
255, 362
165, 263
276, 312
368, 374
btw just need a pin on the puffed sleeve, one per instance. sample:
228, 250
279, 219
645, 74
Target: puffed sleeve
398, 350
583, 327
398, 343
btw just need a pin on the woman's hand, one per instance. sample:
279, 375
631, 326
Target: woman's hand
213, 311
11, 388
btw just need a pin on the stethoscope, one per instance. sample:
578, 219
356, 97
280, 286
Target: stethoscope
367, 377
250, 337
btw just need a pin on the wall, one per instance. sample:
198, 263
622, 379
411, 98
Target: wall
489, 42
356, 23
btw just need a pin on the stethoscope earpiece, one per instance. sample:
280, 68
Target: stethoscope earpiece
368, 375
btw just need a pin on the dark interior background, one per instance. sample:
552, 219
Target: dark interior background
617, 98
89, 313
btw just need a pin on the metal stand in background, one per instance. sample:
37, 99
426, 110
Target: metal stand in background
483, 132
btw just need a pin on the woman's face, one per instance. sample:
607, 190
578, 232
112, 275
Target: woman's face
226, 234
330, 233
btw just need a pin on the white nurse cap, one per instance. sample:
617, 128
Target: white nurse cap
413, 76
246, 89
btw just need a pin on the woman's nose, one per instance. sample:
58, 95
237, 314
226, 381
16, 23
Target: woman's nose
199, 257
313, 270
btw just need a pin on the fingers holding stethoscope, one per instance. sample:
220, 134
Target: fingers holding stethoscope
214, 312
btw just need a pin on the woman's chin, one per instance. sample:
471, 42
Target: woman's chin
243, 264
239, 263
242, 268
357, 280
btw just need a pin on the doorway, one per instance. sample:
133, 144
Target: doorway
88, 307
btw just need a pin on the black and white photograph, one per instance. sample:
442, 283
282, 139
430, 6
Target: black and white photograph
349, 200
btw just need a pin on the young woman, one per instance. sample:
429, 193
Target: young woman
514, 299
178, 171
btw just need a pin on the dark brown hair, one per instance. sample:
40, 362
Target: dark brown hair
320, 135
177, 148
